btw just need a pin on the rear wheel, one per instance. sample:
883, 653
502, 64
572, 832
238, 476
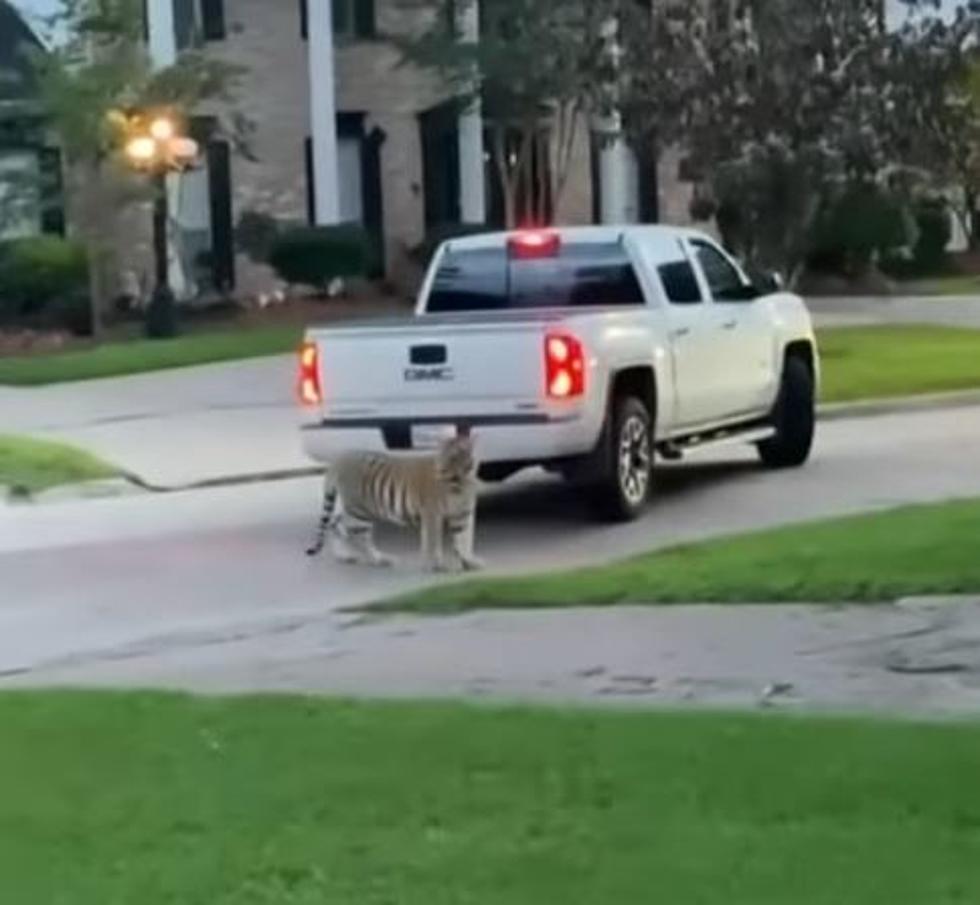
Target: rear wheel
625, 461
794, 418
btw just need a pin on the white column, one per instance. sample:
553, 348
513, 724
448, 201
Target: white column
163, 52
472, 188
323, 111
618, 177
163, 37
618, 173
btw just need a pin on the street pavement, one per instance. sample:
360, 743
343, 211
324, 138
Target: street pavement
210, 589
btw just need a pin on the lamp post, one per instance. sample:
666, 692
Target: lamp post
156, 147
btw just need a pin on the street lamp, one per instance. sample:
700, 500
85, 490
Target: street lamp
156, 147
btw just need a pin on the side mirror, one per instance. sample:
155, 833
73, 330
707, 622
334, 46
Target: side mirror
770, 283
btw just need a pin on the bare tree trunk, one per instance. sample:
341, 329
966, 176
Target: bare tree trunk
90, 223
506, 187
564, 140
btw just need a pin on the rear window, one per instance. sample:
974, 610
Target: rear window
582, 274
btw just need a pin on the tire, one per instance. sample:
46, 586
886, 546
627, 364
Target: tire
621, 490
794, 418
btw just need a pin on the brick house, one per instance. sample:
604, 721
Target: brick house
344, 132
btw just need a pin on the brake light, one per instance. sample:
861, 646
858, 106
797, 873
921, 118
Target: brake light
564, 360
310, 391
530, 244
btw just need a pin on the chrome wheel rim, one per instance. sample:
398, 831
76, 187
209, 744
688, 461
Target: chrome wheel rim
634, 460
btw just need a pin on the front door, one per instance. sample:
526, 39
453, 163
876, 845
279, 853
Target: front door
746, 340
692, 330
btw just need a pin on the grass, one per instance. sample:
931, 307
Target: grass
863, 559
30, 466
876, 362
154, 799
136, 356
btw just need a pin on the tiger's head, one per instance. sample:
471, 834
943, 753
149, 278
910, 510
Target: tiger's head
457, 460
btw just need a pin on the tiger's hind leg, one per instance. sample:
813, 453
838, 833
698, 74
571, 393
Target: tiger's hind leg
327, 518
358, 544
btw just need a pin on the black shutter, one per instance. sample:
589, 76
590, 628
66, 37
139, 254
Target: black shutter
304, 20
52, 191
372, 197
184, 23
213, 19
310, 182
146, 22
222, 225
364, 18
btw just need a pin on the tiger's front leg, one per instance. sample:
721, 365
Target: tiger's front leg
462, 537
431, 537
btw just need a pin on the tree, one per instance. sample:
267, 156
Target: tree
784, 107
538, 69
942, 100
96, 72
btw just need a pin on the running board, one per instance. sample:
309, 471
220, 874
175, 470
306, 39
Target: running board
675, 449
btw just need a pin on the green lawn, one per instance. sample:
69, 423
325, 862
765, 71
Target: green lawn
954, 284
863, 559
113, 359
30, 466
871, 362
152, 799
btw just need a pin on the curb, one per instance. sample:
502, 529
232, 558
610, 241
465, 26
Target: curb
869, 408
261, 477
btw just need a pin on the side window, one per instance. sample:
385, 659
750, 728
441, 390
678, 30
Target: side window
723, 278
680, 283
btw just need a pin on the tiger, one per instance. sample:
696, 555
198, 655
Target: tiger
434, 492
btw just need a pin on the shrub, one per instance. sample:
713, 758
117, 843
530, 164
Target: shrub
928, 256
935, 231
423, 252
313, 256
256, 234
854, 229
39, 274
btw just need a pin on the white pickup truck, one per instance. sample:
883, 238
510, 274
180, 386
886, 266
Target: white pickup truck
583, 350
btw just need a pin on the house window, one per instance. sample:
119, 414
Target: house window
20, 194
353, 18
197, 21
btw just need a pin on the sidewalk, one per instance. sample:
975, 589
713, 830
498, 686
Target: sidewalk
949, 311
918, 657
173, 427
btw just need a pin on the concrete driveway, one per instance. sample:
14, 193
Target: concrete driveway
210, 589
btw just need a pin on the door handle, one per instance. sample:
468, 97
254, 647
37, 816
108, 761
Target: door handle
681, 332
729, 325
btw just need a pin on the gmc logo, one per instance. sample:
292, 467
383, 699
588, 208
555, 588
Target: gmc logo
428, 375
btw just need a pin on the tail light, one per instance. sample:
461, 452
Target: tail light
564, 360
310, 390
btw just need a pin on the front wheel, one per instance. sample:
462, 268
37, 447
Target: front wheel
794, 418
623, 489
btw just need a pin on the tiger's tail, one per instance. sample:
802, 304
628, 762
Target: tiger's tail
330, 494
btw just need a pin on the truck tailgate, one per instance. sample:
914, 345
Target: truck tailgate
421, 370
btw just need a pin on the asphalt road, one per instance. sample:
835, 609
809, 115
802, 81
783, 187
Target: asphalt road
194, 589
